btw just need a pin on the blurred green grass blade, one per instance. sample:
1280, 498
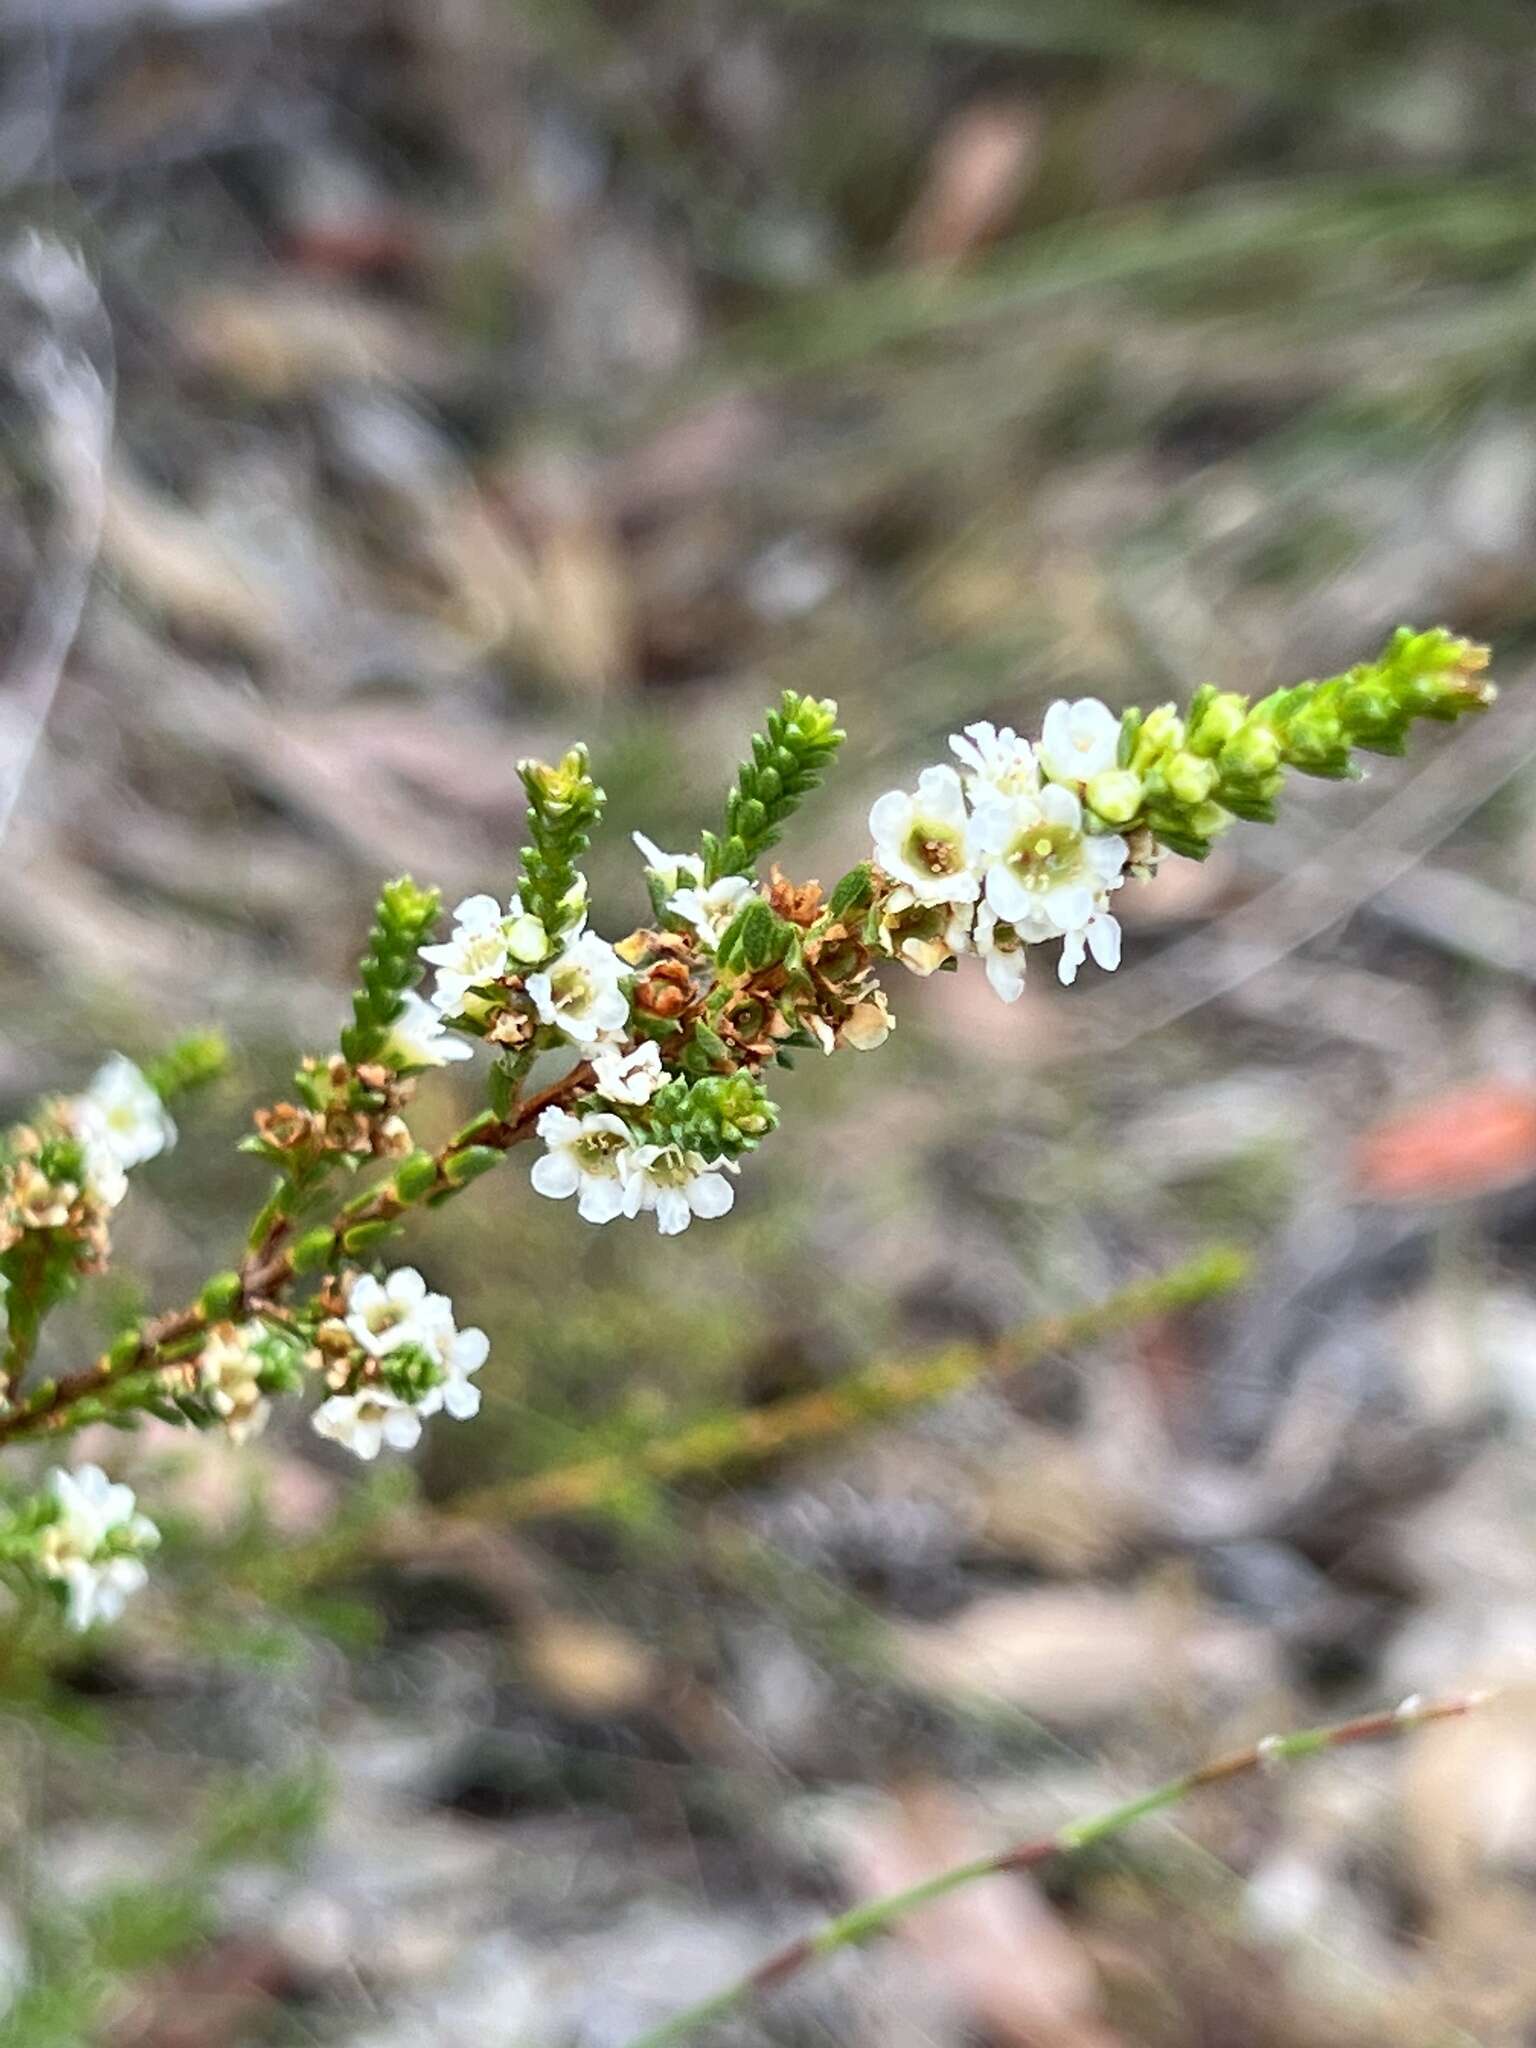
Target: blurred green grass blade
1283, 54
1213, 48
1339, 221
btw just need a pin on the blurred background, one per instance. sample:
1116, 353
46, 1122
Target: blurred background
390, 389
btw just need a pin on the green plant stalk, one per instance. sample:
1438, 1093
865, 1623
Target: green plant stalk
885, 1388
749, 1436
877, 1916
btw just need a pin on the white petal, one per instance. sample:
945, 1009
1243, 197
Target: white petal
672, 1211
478, 913
601, 1200
941, 795
461, 1399
1107, 854
1008, 896
556, 1175
710, 1195
1104, 941
891, 815
1059, 806
401, 1428
471, 1348
1005, 972
1068, 907
367, 1295
405, 1287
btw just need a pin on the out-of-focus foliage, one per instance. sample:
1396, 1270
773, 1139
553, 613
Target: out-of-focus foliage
487, 374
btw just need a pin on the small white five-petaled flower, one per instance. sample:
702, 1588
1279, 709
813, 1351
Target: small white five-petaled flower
924, 840
580, 993
1045, 874
710, 910
670, 869
364, 1422
585, 1158
91, 1545
1079, 741
132, 1119
676, 1184
996, 762
473, 955
383, 1315
419, 1037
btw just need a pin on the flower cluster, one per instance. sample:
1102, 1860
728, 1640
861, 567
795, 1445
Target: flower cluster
83, 1539
393, 1357
230, 1383
61, 1176
1006, 851
70, 1168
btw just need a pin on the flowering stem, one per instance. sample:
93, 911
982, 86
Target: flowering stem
268, 1273
877, 1916
888, 1387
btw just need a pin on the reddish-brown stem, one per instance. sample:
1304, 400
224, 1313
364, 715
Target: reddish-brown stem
265, 1276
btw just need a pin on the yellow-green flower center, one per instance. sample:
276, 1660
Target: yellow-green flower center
934, 849
597, 1149
1045, 855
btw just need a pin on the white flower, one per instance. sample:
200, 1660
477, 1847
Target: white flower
367, 1420
586, 1159
997, 763
1046, 874
90, 1545
1100, 936
419, 1037
1002, 951
102, 1172
924, 840
460, 1353
710, 910
678, 1185
1079, 741
580, 994
228, 1371
474, 953
128, 1112
631, 1077
668, 868
383, 1316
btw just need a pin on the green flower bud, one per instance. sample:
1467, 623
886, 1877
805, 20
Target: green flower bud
1215, 719
1115, 796
1161, 732
1189, 779
527, 940
1252, 755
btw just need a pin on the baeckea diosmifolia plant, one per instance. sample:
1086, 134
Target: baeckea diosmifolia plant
670, 1039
